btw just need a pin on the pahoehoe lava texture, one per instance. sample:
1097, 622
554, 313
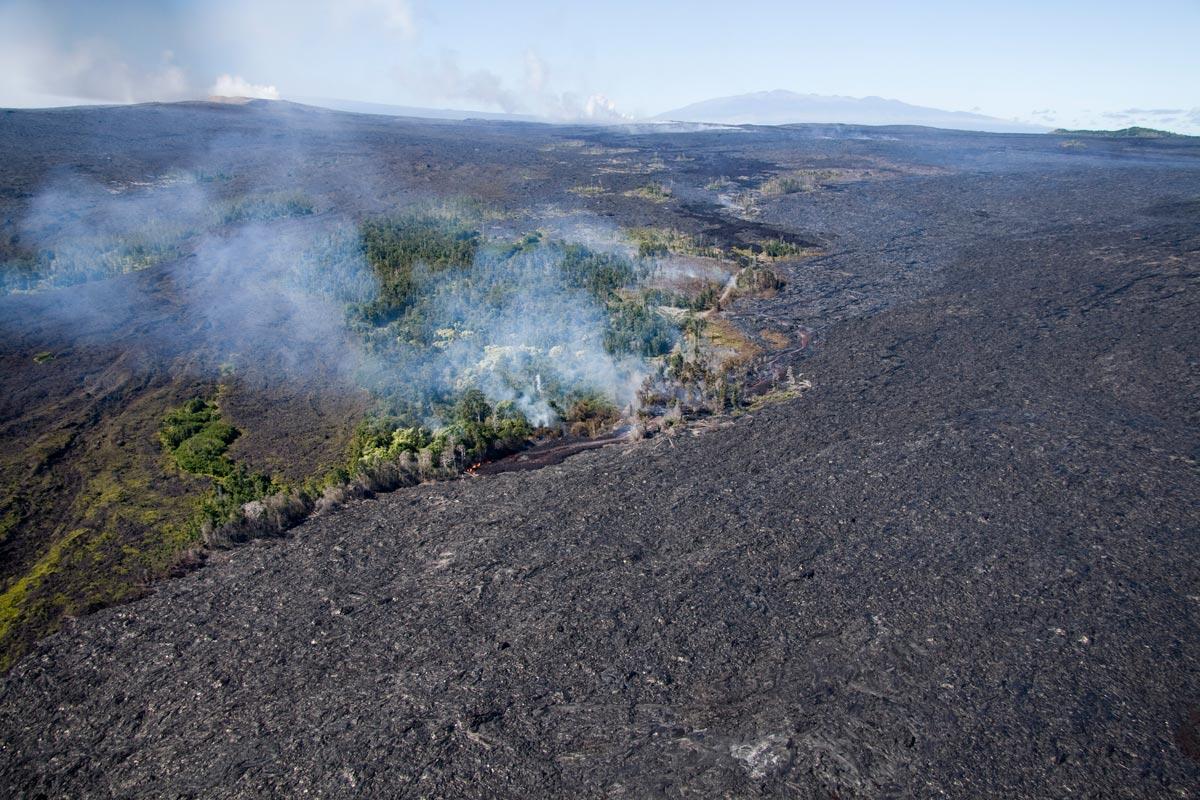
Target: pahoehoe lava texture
963, 564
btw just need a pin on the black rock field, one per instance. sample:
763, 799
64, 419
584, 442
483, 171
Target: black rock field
959, 558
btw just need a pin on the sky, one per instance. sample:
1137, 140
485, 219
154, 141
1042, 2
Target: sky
1071, 63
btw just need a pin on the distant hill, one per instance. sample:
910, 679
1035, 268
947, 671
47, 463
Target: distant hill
759, 108
1125, 133
384, 109
781, 107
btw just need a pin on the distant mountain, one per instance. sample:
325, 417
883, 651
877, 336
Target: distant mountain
759, 108
781, 107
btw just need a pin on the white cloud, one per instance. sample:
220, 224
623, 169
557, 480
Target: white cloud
395, 16
237, 86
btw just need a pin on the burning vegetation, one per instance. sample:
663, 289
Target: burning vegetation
474, 347
432, 339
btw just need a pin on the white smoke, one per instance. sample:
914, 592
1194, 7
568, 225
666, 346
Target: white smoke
268, 297
237, 86
446, 81
600, 107
536, 72
513, 327
38, 69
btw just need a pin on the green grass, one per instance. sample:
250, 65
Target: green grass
18, 603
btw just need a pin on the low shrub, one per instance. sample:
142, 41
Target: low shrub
196, 439
265, 207
758, 280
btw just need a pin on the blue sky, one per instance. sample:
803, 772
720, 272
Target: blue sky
1098, 63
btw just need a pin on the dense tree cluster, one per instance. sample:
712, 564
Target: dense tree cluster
635, 327
440, 285
396, 246
601, 274
196, 439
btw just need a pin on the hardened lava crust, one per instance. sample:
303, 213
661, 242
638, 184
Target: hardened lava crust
962, 563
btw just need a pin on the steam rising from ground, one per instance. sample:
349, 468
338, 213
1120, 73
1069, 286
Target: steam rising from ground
84, 230
271, 295
444, 79
516, 329
237, 86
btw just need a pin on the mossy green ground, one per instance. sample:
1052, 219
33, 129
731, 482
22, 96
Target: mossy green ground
95, 511
120, 520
